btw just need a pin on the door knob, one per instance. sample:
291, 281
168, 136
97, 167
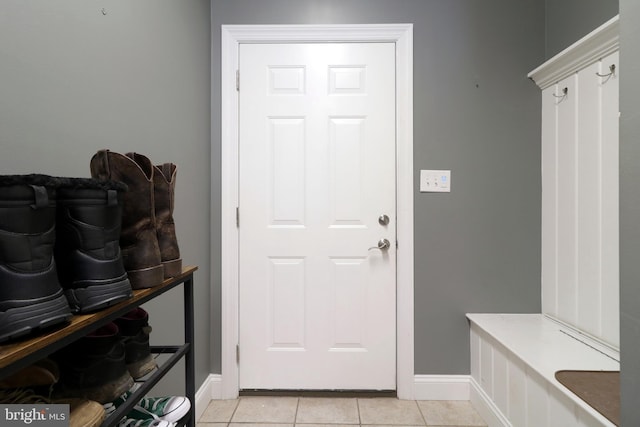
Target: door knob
383, 220
383, 245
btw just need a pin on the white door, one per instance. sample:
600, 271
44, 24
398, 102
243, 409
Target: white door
317, 170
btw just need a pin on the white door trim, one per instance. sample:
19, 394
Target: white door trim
232, 36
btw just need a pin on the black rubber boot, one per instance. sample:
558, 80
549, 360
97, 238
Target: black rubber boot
30, 295
93, 367
87, 249
134, 328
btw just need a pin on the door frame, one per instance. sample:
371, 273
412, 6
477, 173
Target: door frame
232, 36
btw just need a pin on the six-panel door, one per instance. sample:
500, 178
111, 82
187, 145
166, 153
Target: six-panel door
317, 170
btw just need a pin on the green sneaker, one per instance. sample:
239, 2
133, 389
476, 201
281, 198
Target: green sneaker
132, 422
170, 409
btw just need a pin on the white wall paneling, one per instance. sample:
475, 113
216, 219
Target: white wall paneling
610, 231
580, 279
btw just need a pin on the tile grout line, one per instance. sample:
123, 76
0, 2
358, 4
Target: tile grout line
295, 418
234, 412
424, 419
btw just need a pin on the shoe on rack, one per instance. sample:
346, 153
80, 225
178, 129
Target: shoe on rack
134, 328
22, 396
132, 422
164, 183
170, 408
138, 240
31, 297
93, 367
42, 374
87, 248
82, 412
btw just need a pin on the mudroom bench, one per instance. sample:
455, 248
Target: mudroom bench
514, 359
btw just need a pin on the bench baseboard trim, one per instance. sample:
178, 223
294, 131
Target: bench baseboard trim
486, 407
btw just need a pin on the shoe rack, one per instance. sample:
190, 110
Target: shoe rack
22, 353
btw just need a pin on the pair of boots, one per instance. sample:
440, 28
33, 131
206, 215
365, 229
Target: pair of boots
148, 239
59, 250
102, 365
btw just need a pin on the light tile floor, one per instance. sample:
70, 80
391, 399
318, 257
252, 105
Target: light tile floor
332, 412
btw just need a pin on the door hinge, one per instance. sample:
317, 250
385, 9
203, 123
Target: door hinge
238, 354
396, 244
237, 217
238, 80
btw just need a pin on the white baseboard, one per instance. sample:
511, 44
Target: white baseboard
210, 389
426, 387
485, 407
441, 387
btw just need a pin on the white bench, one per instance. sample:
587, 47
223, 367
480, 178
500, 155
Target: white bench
514, 358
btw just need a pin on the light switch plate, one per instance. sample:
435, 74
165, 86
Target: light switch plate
435, 181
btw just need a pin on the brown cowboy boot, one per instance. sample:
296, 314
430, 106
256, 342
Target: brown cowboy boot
164, 180
138, 241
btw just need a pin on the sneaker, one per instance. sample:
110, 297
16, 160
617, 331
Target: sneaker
132, 422
171, 408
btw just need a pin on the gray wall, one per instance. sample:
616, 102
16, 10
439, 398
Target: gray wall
476, 113
138, 79
73, 81
630, 210
567, 21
